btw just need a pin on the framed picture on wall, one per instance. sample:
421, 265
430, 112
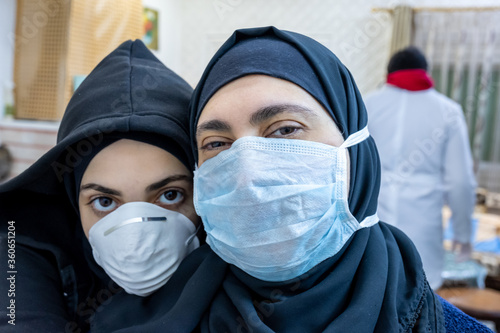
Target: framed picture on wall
150, 18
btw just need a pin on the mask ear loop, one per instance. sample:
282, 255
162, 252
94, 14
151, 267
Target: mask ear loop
352, 140
356, 138
342, 156
190, 239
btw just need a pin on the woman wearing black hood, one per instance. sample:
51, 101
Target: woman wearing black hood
114, 195
286, 185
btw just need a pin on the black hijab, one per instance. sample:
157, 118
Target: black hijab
375, 283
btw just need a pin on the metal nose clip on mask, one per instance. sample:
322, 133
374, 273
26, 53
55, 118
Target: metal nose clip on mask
140, 245
276, 208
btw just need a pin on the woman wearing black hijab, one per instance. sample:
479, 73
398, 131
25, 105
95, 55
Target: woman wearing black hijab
322, 262
119, 177
286, 185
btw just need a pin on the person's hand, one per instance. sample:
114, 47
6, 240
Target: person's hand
463, 251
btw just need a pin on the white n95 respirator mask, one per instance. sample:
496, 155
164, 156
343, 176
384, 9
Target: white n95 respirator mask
140, 245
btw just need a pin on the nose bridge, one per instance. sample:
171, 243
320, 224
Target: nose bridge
244, 128
253, 167
135, 192
243, 164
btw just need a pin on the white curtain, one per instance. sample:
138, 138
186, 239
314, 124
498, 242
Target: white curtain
401, 28
463, 50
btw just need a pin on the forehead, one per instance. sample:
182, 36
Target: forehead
253, 92
128, 158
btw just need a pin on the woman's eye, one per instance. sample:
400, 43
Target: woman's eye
171, 197
214, 145
104, 204
284, 131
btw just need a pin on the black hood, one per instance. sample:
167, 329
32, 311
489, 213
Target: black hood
129, 91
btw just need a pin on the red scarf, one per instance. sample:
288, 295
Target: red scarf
410, 79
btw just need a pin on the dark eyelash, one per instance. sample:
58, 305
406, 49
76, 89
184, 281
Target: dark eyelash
91, 201
178, 190
205, 147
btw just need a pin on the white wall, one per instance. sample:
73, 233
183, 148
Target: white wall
349, 28
356, 34
7, 29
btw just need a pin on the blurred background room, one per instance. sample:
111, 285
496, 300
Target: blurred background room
49, 46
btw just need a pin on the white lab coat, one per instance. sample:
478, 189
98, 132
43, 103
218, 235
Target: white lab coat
426, 162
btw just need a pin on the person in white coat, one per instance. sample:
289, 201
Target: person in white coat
426, 161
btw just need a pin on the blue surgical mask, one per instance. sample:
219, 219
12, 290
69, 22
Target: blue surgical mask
276, 208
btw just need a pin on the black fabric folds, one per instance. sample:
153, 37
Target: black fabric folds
130, 94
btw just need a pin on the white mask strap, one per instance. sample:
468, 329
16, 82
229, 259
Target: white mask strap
190, 239
356, 138
369, 221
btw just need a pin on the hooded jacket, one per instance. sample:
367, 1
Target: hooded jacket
54, 290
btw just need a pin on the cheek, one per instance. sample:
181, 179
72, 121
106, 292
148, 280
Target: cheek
189, 212
327, 136
194, 218
187, 209
332, 136
324, 130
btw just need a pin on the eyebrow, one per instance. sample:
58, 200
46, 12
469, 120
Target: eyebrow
258, 117
170, 179
269, 112
150, 188
100, 188
213, 125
